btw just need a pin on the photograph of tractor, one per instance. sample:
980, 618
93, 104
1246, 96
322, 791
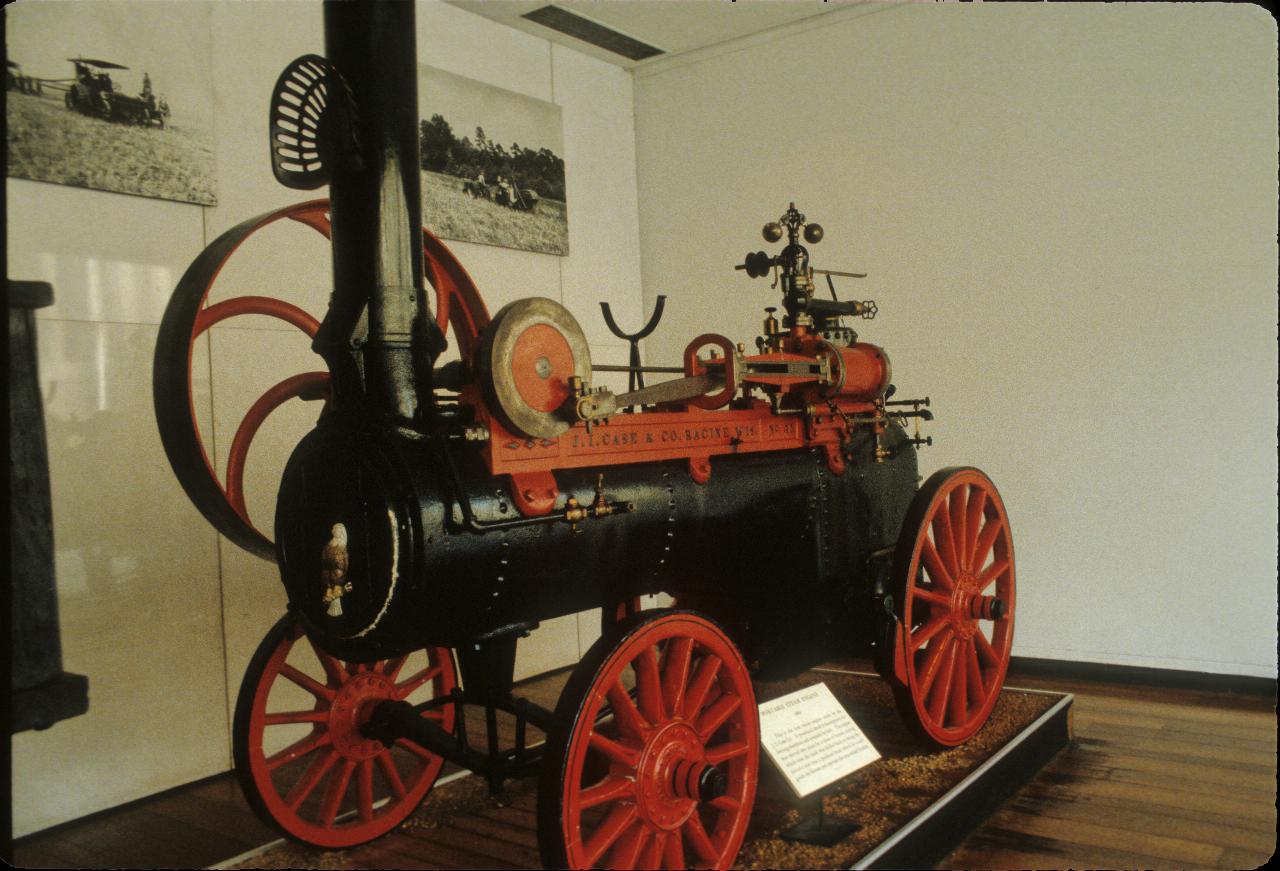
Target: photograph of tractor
505, 192
92, 92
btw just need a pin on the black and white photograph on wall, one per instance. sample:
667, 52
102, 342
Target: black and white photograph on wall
492, 165
111, 96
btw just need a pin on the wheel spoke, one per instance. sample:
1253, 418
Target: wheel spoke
673, 851
931, 595
389, 773
973, 519
932, 659
391, 667
959, 691
958, 503
288, 717
976, 688
713, 717
307, 783
653, 855
404, 690
615, 751
610, 789
942, 537
941, 689
307, 682
364, 789
649, 686
701, 685
986, 538
608, 832
333, 795
994, 571
928, 630
675, 673
726, 803
626, 852
985, 650
332, 667
722, 753
625, 713
299, 748
697, 836
421, 752
933, 565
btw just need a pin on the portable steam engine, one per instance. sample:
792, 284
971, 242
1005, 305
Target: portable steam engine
437, 513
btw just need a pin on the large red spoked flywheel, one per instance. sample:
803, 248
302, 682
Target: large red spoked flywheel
655, 756
300, 756
458, 303
954, 588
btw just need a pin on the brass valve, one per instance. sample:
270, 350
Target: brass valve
575, 512
770, 322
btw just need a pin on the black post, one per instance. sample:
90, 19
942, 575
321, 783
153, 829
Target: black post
377, 220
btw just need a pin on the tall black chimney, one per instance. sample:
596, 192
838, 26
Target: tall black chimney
377, 220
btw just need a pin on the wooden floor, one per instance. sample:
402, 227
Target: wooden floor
1155, 778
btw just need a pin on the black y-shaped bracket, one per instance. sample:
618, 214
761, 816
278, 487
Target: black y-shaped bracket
635, 378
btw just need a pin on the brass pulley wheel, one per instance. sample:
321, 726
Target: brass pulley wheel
531, 351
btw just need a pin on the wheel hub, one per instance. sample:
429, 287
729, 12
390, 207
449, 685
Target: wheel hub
673, 775
352, 708
968, 605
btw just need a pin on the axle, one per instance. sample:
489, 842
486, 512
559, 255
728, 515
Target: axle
390, 721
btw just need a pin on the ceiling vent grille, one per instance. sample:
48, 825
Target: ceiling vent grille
588, 31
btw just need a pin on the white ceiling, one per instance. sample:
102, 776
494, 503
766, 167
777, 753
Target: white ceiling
675, 26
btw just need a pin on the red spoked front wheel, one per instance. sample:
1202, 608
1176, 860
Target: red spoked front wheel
654, 759
299, 752
221, 501
954, 583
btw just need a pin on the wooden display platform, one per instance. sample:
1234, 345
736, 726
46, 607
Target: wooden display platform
912, 806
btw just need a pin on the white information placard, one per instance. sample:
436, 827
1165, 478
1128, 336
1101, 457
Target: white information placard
812, 739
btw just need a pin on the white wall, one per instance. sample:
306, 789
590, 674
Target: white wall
1068, 214
158, 610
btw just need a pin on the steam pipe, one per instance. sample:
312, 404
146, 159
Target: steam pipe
377, 217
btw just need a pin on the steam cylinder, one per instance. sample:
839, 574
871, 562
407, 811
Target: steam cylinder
864, 372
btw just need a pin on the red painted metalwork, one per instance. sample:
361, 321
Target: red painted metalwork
534, 493
957, 606
693, 365
541, 366
309, 386
458, 304
254, 305
306, 765
626, 785
694, 434
862, 372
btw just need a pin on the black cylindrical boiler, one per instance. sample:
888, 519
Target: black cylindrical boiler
759, 542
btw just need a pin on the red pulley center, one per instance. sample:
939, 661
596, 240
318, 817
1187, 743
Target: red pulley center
541, 366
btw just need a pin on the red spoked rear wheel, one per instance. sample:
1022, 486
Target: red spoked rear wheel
655, 756
300, 756
954, 583
458, 304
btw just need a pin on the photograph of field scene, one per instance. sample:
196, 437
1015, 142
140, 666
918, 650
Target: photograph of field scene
111, 96
491, 166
